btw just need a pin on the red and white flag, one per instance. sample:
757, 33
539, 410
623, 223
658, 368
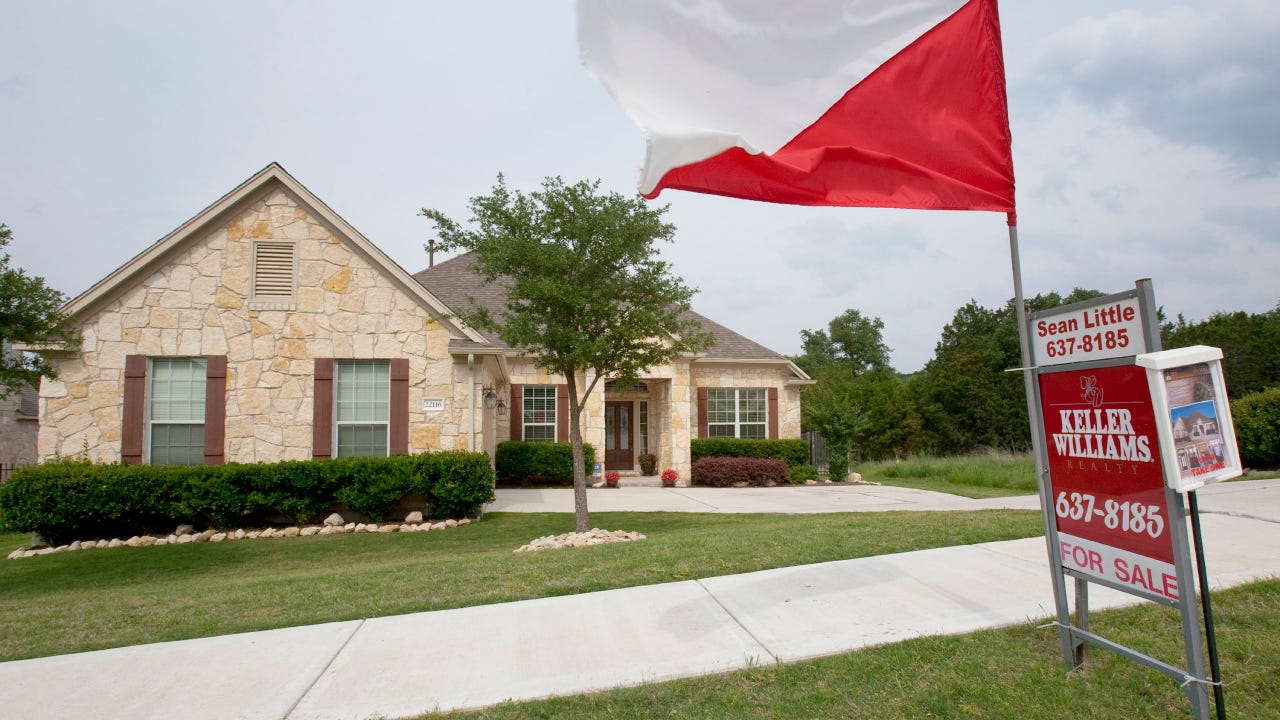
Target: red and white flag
871, 103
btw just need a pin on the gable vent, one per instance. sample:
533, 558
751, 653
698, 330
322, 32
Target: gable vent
273, 272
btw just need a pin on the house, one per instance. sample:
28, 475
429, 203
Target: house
267, 328
18, 426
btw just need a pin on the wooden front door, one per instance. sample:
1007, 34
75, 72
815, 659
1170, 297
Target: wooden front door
618, 452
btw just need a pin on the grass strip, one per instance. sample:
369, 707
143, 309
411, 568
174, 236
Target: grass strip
1014, 672
972, 476
87, 600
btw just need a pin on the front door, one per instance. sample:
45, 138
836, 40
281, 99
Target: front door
618, 453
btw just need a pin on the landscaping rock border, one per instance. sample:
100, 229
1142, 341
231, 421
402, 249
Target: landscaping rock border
595, 536
184, 534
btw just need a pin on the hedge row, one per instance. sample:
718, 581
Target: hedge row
520, 462
77, 500
793, 452
1257, 420
731, 471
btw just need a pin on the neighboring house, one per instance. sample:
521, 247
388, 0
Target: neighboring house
266, 328
18, 427
1193, 426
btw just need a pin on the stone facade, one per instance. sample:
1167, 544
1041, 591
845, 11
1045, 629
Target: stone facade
199, 303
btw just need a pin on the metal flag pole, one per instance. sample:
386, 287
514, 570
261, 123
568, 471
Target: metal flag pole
1070, 655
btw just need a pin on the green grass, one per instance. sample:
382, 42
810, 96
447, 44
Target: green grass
85, 600
974, 476
1015, 673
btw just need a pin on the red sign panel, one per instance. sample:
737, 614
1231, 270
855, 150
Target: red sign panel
1107, 480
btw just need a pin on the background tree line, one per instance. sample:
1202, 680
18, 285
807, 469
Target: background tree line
963, 400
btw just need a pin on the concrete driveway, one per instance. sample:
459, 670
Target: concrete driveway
1257, 498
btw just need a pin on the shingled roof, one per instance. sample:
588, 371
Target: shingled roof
456, 283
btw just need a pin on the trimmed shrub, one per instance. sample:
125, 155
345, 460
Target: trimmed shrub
1257, 420
450, 482
372, 486
526, 463
731, 471
78, 500
793, 452
801, 474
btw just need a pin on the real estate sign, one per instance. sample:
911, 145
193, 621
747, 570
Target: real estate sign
1107, 480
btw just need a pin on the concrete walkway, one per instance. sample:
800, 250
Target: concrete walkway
410, 664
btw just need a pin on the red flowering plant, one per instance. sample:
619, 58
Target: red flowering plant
669, 477
611, 478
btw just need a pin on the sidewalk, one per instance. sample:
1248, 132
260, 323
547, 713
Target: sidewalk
410, 664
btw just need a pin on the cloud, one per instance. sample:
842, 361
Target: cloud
1202, 75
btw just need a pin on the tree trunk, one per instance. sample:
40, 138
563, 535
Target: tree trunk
581, 523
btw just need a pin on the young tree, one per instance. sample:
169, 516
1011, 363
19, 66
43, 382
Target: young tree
28, 314
850, 362
584, 287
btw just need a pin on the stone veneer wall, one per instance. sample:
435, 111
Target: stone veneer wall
197, 303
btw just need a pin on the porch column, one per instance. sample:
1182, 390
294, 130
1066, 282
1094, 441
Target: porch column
680, 407
593, 418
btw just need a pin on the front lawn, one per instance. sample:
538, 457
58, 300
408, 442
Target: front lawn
86, 600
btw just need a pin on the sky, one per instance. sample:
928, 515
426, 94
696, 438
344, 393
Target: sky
1146, 139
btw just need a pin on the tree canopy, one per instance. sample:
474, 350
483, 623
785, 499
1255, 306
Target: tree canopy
961, 401
584, 287
851, 340
29, 314
1250, 345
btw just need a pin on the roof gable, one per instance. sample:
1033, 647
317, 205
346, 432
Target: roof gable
269, 178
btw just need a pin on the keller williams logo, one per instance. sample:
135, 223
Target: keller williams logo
1099, 433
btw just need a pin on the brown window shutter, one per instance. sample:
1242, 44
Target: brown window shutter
702, 412
562, 413
135, 401
399, 421
517, 411
215, 409
773, 413
322, 413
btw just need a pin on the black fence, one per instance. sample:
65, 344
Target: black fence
819, 455
6, 468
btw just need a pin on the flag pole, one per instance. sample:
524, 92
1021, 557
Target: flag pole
1069, 652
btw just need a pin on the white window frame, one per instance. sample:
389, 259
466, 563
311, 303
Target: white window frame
536, 393
740, 397
194, 418
339, 369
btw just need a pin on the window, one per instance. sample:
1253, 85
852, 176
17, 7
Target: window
362, 407
737, 412
176, 411
539, 413
274, 265
642, 420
